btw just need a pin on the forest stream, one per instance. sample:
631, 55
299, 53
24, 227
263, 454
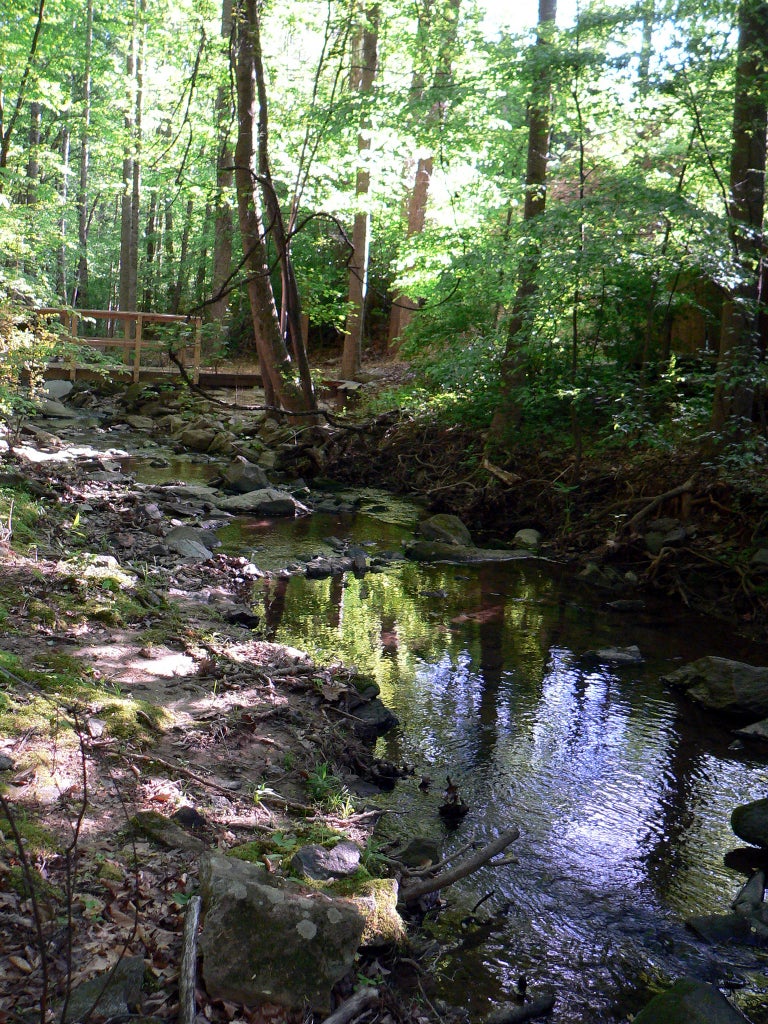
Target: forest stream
622, 791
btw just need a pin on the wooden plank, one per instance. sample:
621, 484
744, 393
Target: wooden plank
117, 314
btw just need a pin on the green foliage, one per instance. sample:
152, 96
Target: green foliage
327, 790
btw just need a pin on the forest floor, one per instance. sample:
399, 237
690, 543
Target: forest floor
122, 694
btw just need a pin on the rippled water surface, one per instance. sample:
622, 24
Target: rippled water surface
622, 793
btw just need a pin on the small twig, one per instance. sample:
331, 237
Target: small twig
26, 871
275, 801
188, 967
17, 679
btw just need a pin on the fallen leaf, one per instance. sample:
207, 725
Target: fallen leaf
120, 918
21, 964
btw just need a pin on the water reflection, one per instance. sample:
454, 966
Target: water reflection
623, 796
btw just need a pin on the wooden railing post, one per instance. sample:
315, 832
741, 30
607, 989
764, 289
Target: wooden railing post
137, 349
196, 357
72, 326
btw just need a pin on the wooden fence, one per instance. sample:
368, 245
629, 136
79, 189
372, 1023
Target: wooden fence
143, 355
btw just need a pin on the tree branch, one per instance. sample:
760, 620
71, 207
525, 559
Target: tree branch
413, 892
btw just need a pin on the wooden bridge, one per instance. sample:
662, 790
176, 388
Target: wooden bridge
144, 356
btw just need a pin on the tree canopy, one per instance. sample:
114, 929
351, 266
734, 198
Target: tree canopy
125, 181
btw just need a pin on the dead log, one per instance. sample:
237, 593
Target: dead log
188, 966
357, 1004
415, 890
638, 517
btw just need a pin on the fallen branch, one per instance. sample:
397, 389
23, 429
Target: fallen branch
361, 1001
638, 517
264, 798
501, 474
188, 967
466, 867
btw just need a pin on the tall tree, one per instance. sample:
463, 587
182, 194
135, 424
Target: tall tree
222, 251
278, 373
131, 173
740, 353
7, 126
80, 293
513, 369
362, 75
436, 32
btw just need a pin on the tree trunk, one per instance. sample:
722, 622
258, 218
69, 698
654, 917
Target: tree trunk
222, 251
514, 369
180, 281
648, 15
61, 270
81, 285
127, 288
33, 152
276, 371
739, 353
403, 306
291, 322
136, 180
150, 239
364, 59
6, 130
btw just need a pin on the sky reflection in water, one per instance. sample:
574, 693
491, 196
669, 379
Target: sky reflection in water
622, 798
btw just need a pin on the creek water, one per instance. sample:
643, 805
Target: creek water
622, 791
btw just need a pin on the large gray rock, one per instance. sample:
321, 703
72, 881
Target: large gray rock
750, 822
55, 410
690, 1002
724, 685
528, 538
113, 994
265, 939
57, 389
447, 529
192, 542
197, 439
321, 864
140, 422
241, 476
268, 501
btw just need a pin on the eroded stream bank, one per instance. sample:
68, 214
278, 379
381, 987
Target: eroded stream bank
622, 793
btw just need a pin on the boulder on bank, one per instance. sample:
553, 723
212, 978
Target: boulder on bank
267, 501
528, 538
690, 1002
320, 863
197, 439
446, 529
265, 939
747, 925
192, 542
724, 685
750, 822
241, 477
